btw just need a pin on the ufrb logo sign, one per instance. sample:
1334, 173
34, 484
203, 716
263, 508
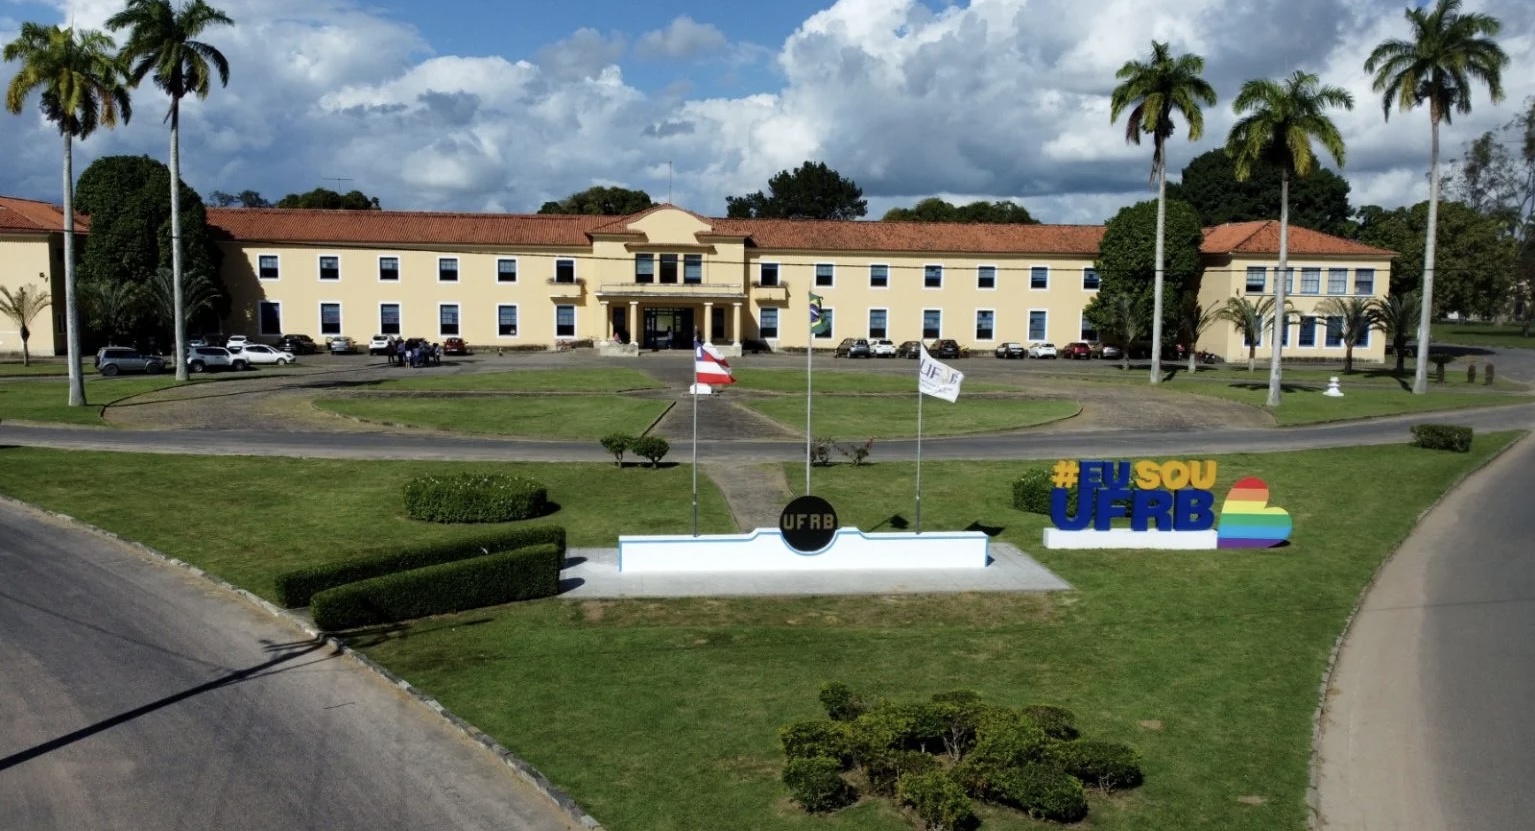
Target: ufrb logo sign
808, 523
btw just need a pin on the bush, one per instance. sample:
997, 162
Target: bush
809, 739
1045, 792
653, 448
475, 497
296, 588
1032, 492
1442, 437
816, 784
618, 444
959, 711
841, 703
1109, 765
937, 800
1057, 722
884, 770
891, 726
1005, 738
488, 580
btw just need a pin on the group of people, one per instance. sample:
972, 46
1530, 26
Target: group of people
414, 353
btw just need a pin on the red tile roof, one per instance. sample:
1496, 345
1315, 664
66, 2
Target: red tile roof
403, 227
28, 216
955, 237
1262, 237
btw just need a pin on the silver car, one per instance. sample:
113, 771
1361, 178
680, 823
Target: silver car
113, 360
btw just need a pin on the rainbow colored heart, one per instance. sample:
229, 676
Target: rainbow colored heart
1247, 521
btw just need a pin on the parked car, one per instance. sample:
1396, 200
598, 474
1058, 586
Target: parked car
1077, 350
854, 348
298, 344
260, 353
113, 360
205, 339
341, 345
235, 342
943, 348
908, 349
454, 346
882, 347
1042, 350
205, 358
379, 345
1106, 351
1011, 349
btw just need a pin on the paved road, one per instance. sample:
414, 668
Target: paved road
137, 696
1429, 724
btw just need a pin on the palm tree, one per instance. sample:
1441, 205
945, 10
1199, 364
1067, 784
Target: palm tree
1282, 118
197, 295
1357, 318
161, 39
1448, 53
1397, 317
1127, 320
1250, 319
113, 305
1152, 91
21, 306
81, 84
1194, 322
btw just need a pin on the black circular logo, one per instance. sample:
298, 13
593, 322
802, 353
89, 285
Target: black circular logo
808, 524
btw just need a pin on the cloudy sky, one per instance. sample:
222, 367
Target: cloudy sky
503, 104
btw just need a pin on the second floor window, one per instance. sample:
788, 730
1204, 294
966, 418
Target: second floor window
564, 271
1337, 281
506, 270
986, 277
267, 267
1364, 281
668, 268
1039, 277
932, 277
447, 269
879, 276
692, 268
767, 274
1310, 281
389, 270
330, 268
1090, 280
644, 268
1257, 279
825, 274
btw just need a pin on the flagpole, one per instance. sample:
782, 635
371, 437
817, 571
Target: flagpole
919, 457
809, 353
694, 390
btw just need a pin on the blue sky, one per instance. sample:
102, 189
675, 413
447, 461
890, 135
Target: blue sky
478, 105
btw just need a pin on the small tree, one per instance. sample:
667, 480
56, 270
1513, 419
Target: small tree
1193, 323
113, 305
1397, 318
1250, 318
1126, 320
21, 306
651, 448
197, 295
617, 444
1356, 315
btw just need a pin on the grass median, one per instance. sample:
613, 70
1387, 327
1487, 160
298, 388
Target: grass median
527, 380
545, 417
47, 399
1483, 334
888, 417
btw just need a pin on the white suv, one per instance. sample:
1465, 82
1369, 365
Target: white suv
882, 348
259, 353
204, 358
379, 345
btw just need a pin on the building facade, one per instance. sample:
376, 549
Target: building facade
32, 257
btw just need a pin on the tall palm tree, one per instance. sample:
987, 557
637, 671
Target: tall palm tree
1152, 90
1279, 121
1250, 318
161, 39
21, 306
1449, 52
1356, 318
82, 86
1397, 317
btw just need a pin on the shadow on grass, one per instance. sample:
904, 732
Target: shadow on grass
988, 530
1254, 385
369, 636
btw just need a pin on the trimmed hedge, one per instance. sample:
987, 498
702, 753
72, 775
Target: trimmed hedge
475, 497
841, 703
1109, 765
1451, 437
1045, 792
1032, 489
524, 574
817, 784
296, 588
937, 800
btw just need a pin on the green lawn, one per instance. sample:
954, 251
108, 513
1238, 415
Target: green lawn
48, 399
1483, 334
1305, 404
314, 511
551, 417
847, 380
9, 369
888, 417
528, 380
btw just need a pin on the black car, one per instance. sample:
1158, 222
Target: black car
908, 349
943, 348
298, 344
854, 348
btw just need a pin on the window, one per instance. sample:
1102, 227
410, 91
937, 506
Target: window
1089, 332
266, 267
1039, 277
447, 269
826, 315
330, 318
389, 318
564, 321
932, 277
271, 318
1307, 331
644, 268
985, 324
668, 268
986, 277
693, 268
1090, 280
1289, 280
330, 268
506, 270
1337, 281
1037, 324
932, 323
1310, 281
1257, 279
1364, 281
1334, 331
767, 274
878, 319
825, 274
564, 271
389, 269
506, 321
767, 322
879, 276
1362, 337
447, 319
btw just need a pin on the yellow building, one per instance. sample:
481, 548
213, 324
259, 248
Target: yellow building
32, 256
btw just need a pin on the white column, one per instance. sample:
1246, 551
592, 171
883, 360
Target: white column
708, 326
607, 318
736, 332
634, 321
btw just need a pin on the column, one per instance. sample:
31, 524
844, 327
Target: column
607, 325
736, 332
708, 326
634, 321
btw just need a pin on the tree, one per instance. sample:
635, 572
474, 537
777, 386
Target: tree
1193, 321
21, 306
934, 209
326, 199
197, 294
1250, 318
1397, 317
1281, 120
1485, 257
81, 85
1123, 319
1448, 53
813, 191
113, 307
1209, 183
243, 199
601, 201
1126, 266
1151, 91
1356, 318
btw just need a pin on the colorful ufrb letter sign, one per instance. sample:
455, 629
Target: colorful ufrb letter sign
1165, 504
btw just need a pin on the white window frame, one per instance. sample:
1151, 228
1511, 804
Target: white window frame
1086, 269
925, 286
1031, 277
977, 328
777, 322
575, 321
777, 273
1300, 329
1029, 322
869, 320
1327, 330
994, 272
516, 272
886, 267
575, 271
399, 312
278, 258
455, 261
1083, 325
319, 270
459, 313
399, 270
1329, 272
922, 323
260, 330
319, 311
1247, 280
499, 307
815, 276
1305, 272
1374, 275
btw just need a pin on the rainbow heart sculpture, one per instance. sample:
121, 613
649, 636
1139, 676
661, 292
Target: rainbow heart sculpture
1247, 521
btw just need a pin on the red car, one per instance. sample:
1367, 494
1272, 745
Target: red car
455, 346
1077, 351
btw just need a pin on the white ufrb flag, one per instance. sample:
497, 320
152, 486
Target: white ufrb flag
938, 379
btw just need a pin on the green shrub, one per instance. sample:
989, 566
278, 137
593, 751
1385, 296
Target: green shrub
1032, 492
884, 770
891, 726
296, 588
1442, 437
1057, 722
808, 739
841, 703
958, 712
475, 497
937, 800
1044, 791
1109, 765
618, 444
1006, 738
652, 448
817, 784
488, 580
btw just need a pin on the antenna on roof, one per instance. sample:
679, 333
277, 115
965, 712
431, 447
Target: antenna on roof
337, 179
668, 182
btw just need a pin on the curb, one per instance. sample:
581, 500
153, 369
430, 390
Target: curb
520, 767
1313, 791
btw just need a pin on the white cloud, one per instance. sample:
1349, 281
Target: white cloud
683, 39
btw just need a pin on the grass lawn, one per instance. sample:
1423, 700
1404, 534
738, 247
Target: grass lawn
313, 511
9, 369
1305, 403
552, 417
48, 399
840, 380
1482, 334
528, 380
887, 417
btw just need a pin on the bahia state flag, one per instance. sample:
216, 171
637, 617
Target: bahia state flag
709, 367
819, 325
